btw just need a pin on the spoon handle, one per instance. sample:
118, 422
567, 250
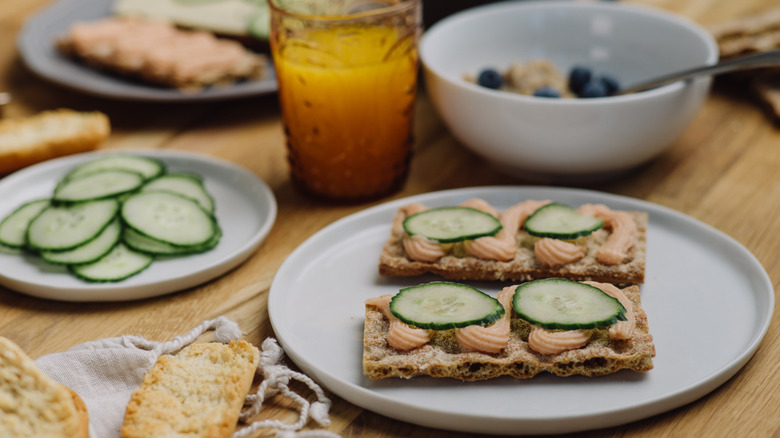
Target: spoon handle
758, 60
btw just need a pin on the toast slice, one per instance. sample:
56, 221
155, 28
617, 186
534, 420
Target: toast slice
49, 134
444, 357
159, 53
34, 405
395, 262
198, 392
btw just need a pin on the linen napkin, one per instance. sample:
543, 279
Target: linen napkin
104, 373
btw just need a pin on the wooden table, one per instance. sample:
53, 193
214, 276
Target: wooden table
723, 171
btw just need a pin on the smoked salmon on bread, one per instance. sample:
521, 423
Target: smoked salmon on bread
511, 346
613, 252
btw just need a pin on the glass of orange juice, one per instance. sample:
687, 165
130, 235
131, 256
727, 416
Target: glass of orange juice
347, 78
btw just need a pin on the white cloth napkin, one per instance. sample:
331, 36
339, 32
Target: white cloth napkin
105, 373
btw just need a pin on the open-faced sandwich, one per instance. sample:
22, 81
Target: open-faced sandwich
554, 325
530, 240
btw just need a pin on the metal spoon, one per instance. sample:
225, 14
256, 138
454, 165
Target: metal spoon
759, 60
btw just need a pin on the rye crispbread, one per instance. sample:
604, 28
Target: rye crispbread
198, 392
34, 405
750, 35
443, 356
394, 262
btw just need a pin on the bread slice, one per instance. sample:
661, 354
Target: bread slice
198, 392
49, 134
159, 53
443, 356
394, 262
34, 405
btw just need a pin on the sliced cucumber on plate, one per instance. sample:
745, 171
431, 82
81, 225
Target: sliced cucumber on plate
109, 217
120, 263
13, 229
560, 304
67, 226
560, 221
451, 224
441, 305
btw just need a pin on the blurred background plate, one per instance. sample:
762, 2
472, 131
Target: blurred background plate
245, 209
36, 46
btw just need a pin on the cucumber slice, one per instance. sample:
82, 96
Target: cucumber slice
13, 229
141, 243
452, 224
168, 218
260, 23
560, 221
62, 227
556, 303
90, 251
148, 167
442, 305
184, 184
120, 263
97, 185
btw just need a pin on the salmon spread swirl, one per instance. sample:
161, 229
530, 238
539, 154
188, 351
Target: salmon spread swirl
503, 246
491, 338
554, 252
621, 329
400, 335
622, 236
554, 342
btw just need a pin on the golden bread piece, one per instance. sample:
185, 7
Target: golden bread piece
198, 392
49, 134
160, 53
34, 405
394, 262
444, 357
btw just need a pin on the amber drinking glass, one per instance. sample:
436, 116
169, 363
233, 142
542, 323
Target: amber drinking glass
347, 78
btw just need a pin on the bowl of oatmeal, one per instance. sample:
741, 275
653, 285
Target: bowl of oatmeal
532, 86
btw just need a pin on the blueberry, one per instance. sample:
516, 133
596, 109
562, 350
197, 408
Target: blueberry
547, 92
490, 78
579, 77
594, 89
610, 84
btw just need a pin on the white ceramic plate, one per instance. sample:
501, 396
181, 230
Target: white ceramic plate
709, 303
36, 47
244, 205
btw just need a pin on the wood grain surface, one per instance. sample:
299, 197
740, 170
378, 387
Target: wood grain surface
724, 171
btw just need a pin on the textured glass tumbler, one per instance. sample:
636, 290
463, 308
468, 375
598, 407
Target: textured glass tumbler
347, 78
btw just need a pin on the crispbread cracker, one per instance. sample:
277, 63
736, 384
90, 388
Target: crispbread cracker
34, 405
746, 35
49, 134
394, 262
198, 392
443, 356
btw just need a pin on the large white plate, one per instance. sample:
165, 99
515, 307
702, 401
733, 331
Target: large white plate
36, 47
708, 301
245, 209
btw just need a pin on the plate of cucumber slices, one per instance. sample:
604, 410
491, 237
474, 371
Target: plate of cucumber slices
708, 302
124, 225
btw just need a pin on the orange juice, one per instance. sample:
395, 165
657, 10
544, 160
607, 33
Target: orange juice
347, 95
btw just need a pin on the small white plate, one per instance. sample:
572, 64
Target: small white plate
708, 300
36, 48
245, 209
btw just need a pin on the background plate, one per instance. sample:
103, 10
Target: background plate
36, 47
245, 210
708, 301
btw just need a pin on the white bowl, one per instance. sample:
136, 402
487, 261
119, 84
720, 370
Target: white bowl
536, 137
